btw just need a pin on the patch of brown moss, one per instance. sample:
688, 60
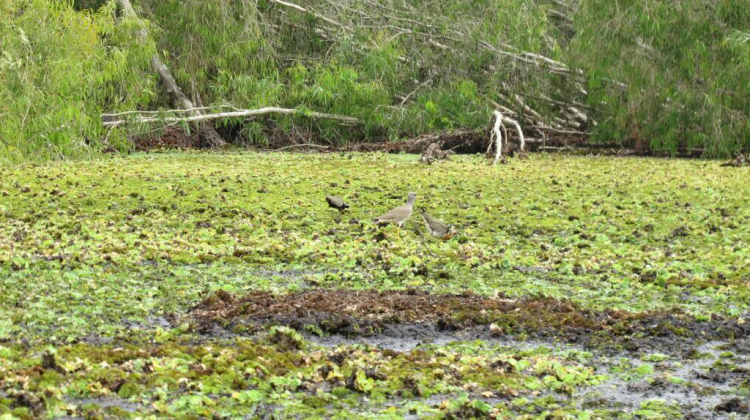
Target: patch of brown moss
354, 313
357, 312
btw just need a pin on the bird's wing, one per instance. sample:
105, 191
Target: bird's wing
434, 223
427, 222
397, 214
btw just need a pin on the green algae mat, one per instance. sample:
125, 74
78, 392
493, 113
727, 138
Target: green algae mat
199, 285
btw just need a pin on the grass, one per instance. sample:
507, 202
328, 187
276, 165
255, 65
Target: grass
101, 261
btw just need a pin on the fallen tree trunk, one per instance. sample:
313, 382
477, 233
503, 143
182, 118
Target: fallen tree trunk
144, 119
206, 131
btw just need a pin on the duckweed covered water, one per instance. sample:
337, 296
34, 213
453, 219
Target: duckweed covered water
104, 264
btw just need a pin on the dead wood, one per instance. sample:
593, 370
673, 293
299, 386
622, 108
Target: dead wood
459, 142
145, 118
464, 141
737, 162
435, 152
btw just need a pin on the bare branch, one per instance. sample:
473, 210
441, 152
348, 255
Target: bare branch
318, 146
176, 111
558, 131
497, 136
406, 98
236, 114
303, 10
521, 140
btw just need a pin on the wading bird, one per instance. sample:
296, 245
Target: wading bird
437, 228
400, 214
336, 203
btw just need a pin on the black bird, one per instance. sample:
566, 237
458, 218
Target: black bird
336, 203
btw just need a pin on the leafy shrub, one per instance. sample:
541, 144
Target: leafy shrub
684, 67
57, 75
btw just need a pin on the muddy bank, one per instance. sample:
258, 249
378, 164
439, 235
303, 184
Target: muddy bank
369, 313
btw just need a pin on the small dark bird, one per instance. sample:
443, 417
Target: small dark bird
336, 203
437, 228
400, 214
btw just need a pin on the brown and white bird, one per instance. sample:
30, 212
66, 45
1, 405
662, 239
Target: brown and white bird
336, 203
400, 214
437, 228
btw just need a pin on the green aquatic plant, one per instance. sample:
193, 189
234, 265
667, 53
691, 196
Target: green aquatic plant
104, 264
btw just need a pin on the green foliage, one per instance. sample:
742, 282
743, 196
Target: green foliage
337, 90
656, 75
219, 47
58, 70
453, 106
685, 67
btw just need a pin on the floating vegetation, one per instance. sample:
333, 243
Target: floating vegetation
197, 285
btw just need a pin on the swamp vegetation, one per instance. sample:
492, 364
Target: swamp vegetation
199, 285
649, 75
219, 284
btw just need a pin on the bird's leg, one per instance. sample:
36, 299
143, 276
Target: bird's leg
427, 247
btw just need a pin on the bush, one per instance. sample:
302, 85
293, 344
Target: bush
58, 70
685, 67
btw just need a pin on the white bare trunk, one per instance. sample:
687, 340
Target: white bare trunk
521, 140
497, 135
